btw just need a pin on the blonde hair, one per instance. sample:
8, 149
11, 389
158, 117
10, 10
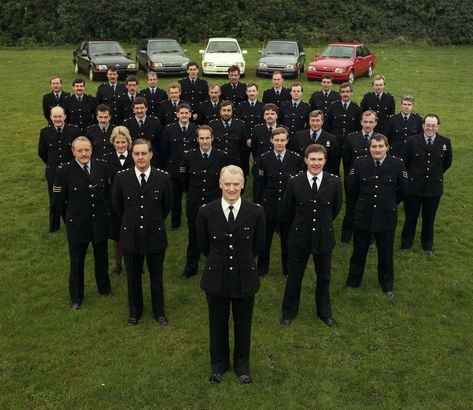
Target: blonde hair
120, 131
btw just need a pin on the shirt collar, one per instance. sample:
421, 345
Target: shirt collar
380, 160
125, 154
310, 176
236, 206
138, 174
208, 152
282, 154
82, 165
427, 138
140, 119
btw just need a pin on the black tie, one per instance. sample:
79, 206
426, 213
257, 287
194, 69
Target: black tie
279, 158
192, 82
295, 105
215, 105
314, 184
104, 130
132, 97
345, 106
141, 123
227, 125
86, 170
252, 105
59, 131
378, 165
326, 95
184, 129
174, 105
277, 92
57, 96
231, 217
429, 142
80, 99
152, 91
406, 119
143, 180
113, 88
205, 156
314, 136
234, 87
122, 156
367, 137
270, 129
379, 97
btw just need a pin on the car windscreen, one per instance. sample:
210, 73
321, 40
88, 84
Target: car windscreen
105, 49
163, 47
223, 47
281, 48
338, 52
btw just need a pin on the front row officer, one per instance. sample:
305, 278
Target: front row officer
142, 198
230, 233
80, 194
378, 182
313, 199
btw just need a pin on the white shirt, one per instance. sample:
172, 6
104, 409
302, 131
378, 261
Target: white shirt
226, 210
138, 174
319, 178
140, 119
122, 160
208, 152
281, 154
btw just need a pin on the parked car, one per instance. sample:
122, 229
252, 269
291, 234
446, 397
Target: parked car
163, 55
94, 58
344, 61
220, 54
281, 55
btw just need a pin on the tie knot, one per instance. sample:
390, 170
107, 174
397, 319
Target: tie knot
326, 95
184, 129
429, 141
104, 130
279, 157
270, 129
205, 155
295, 105
277, 92
141, 123
345, 105
86, 169
122, 156
58, 130
378, 164
367, 136
57, 96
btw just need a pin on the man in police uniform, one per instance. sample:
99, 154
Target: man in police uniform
142, 198
167, 109
178, 138
153, 94
99, 134
234, 90
277, 93
209, 110
80, 107
80, 194
323, 99
427, 157
401, 126
251, 110
194, 90
378, 182
109, 93
200, 171
317, 135
275, 167
54, 148
381, 102
54, 98
313, 199
293, 114
126, 100
231, 235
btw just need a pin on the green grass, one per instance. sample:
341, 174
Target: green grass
414, 351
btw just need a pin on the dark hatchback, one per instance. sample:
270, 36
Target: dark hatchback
281, 55
163, 55
94, 58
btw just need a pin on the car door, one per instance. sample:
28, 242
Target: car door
141, 54
360, 62
83, 58
301, 55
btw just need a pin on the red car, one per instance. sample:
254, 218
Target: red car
344, 61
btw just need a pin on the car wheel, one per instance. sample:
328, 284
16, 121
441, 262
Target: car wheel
369, 73
91, 74
76, 67
302, 68
351, 76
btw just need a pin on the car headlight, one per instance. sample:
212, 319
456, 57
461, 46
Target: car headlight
261, 65
291, 66
154, 64
184, 65
241, 64
101, 67
132, 66
339, 70
208, 64
312, 68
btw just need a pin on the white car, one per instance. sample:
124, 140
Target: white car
220, 54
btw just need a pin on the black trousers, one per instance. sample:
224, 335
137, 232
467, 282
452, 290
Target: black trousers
384, 244
193, 251
347, 224
54, 220
176, 210
134, 269
297, 262
263, 259
219, 313
77, 252
412, 206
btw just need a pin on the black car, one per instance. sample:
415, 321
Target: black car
163, 55
281, 55
94, 58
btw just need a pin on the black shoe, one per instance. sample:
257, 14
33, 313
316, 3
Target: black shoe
184, 276
330, 322
343, 244
107, 294
404, 250
389, 294
245, 379
132, 321
286, 321
429, 253
75, 306
162, 320
116, 271
215, 378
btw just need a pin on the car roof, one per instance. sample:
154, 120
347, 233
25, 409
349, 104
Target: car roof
160, 39
347, 44
100, 41
222, 39
282, 41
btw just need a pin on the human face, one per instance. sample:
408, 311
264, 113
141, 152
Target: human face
270, 117
346, 94
316, 123
226, 112
103, 118
131, 87
79, 88
231, 186
140, 110
174, 93
378, 149
234, 77
406, 107
315, 162
214, 94
56, 84
57, 116
277, 80
82, 151
279, 142
183, 115
378, 86
152, 80
193, 71
252, 93
368, 122
430, 126
142, 156
112, 76
296, 92
121, 144
326, 84
204, 138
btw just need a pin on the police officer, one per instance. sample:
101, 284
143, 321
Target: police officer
234, 90
293, 114
275, 167
401, 126
427, 157
54, 98
80, 193
126, 100
313, 199
323, 99
277, 93
142, 198
178, 138
54, 148
80, 107
109, 93
99, 134
251, 110
209, 109
167, 109
200, 171
153, 94
261, 136
194, 90
378, 182
230, 234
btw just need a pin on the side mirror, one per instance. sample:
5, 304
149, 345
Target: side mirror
244, 51
201, 51
84, 53
128, 54
185, 50
302, 53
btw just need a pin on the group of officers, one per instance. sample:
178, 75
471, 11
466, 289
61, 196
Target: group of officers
117, 164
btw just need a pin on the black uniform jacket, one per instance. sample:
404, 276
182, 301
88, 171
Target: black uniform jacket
312, 213
142, 210
50, 101
355, 146
341, 122
207, 111
270, 96
232, 141
230, 269
174, 144
318, 101
426, 165
384, 108
100, 140
398, 131
153, 100
106, 95
377, 192
251, 116
295, 119
82, 199
81, 113
194, 93
236, 95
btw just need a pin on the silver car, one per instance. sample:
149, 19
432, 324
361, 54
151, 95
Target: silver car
163, 55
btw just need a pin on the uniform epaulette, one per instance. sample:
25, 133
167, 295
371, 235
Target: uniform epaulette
392, 115
122, 170
167, 126
203, 205
258, 205
296, 154
266, 153
91, 126
129, 118
293, 176
399, 158
152, 116
72, 125
334, 175
238, 119
404, 174
162, 170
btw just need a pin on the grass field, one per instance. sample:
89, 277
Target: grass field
411, 352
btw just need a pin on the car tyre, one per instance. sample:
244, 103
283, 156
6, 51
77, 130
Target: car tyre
351, 76
302, 68
369, 72
76, 67
91, 74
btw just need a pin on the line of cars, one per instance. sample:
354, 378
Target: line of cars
344, 61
